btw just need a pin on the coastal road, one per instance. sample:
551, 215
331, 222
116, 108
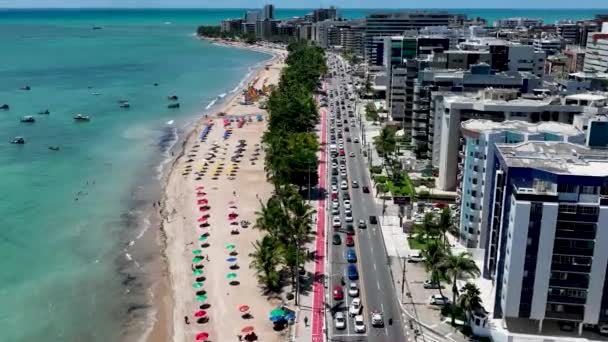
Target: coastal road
376, 286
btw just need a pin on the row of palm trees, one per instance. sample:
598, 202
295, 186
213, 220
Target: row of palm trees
445, 266
291, 163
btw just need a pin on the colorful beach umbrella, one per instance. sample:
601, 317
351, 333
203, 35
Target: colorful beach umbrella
197, 259
202, 336
202, 238
197, 285
197, 272
201, 298
200, 313
231, 276
232, 259
244, 308
196, 251
247, 329
202, 219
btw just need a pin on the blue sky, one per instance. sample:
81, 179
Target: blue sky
307, 3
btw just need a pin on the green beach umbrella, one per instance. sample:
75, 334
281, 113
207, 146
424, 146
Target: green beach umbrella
197, 251
201, 298
197, 259
231, 276
202, 238
197, 272
277, 312
197, 285
230, 246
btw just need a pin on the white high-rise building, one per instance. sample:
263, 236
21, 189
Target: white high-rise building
596, 55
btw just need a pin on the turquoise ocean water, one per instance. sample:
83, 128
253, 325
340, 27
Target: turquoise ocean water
71, 220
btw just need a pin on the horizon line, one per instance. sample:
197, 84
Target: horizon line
301, 8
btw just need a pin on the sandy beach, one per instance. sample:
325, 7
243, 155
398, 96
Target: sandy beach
203, 188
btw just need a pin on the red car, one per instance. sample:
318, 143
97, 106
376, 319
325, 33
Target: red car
338, 293
341, 152
350, 241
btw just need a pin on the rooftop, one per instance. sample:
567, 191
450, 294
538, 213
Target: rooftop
556, 157
480, 125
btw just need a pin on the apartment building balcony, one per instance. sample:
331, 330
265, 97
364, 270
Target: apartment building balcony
569, 312
575, 281
572, 251
565, 299
572, 267
574, 234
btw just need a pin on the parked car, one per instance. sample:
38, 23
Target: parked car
340, 320
432, 285
353, 274
359, 324
415, 258
438, 299
351, 256
355, 307
353, 289
350, 241
336, 222
338, 293
336, 239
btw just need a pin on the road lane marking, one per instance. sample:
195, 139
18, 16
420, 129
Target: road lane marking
374, 266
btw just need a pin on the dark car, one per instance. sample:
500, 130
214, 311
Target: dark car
365, 189
350, 230
336, 239
373, 220
346, 196
353, 274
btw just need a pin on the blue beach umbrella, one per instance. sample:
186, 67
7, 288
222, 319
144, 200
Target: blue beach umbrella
231, 259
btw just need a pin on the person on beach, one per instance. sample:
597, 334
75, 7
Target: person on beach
186, 320
305, 321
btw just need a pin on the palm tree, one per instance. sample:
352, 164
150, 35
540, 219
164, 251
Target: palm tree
470, 299
434, 253
444, 224
458, 267
265, 261
386, 143
270, 217
427, 230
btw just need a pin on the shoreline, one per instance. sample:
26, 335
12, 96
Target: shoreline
164, 289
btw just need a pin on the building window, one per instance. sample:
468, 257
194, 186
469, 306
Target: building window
588, 210
588, 190
569, 188
567, 209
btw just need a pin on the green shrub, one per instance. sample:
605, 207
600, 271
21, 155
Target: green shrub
376, 169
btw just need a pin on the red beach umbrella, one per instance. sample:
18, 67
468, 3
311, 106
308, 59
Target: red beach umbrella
200, 187
202, 336
231, 218
203, 208
200, 313
202, 202
201, 194
247, 329
202, 219
244, 308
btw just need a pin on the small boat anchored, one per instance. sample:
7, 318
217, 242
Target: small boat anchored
81, 118
5, 106
173, 105
28, 119
18, 141
173, 98
25, 87
44, 112
124, 104
54, 148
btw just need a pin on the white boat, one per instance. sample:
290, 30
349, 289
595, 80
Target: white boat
80, 117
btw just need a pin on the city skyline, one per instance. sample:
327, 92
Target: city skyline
302, 4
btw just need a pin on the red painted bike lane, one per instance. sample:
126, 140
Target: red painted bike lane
318, 310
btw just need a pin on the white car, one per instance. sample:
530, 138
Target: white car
346, 204
334, 189
335, 211
340, 320
343, 173
348, 211
344, 185
336, 222
342, 167
377, 320
335, 204
348, 217
437, 299
356, 140
353, 290
352, 154
355, 184
359, 324
355, 307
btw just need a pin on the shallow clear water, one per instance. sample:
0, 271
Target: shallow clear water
66, 216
